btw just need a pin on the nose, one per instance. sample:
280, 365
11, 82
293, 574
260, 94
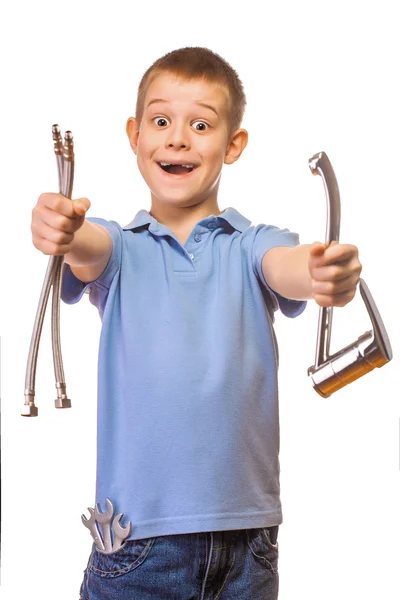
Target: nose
177, 137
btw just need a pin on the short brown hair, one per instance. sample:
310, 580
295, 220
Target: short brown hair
197, 63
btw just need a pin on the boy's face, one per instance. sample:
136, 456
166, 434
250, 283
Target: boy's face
177, 129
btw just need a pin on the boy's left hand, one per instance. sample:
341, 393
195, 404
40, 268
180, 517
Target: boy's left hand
335, 272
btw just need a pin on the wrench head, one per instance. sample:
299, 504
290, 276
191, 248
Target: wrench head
107, 515
89, 522
121, 532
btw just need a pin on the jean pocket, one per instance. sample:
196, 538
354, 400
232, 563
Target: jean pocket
263, 550
273, 543
130, 556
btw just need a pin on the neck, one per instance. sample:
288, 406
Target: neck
183, 219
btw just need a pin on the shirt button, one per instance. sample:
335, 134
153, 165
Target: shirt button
191, 256
211, 226
197, 238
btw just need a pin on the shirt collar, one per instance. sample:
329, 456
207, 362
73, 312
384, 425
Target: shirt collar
228, 216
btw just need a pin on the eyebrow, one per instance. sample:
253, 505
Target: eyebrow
199, 103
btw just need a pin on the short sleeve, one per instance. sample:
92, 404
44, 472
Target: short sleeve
267, 237
72, 288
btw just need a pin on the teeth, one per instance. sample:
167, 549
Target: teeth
163, 164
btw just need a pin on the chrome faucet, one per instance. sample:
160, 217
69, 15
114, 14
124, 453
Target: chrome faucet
372, 349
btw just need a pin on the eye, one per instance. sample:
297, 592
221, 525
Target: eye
205, 125
160, 119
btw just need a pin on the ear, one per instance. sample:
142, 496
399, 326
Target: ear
236, 146
132, 131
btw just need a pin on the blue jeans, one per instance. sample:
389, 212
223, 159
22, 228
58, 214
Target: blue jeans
218, 565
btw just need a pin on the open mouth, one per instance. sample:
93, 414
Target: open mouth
177, 169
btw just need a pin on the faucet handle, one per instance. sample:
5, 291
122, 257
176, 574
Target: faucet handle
381, 353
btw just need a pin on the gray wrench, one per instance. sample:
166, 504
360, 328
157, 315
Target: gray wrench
120, 533
92, 526
105, 519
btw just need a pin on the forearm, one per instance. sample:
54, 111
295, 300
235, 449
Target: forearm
91, 243
292, 277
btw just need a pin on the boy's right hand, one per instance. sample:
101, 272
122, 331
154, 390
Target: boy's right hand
55, 219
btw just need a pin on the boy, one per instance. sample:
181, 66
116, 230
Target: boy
188, 429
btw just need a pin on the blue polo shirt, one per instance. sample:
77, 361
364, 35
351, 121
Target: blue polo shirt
188, 423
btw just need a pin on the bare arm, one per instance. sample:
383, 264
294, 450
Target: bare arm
286, 271
91, 251
327, 273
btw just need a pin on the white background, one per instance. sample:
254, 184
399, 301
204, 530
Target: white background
318, 76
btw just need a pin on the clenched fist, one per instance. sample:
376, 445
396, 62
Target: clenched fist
335, 272
55, 219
